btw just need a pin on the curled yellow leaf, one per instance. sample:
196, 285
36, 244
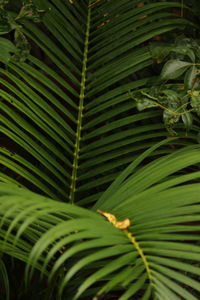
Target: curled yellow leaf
113, 220
123, 224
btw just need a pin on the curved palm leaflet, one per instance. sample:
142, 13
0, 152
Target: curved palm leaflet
73, 126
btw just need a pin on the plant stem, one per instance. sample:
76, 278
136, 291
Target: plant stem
80, 111
140, 252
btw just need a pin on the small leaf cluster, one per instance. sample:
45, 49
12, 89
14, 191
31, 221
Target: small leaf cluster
19, 49
177, 90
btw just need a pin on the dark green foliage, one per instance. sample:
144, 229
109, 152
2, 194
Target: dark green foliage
181, 98
96, 201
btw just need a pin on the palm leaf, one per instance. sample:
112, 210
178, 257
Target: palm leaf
157, 257
69, 118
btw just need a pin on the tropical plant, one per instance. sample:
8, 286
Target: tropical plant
180, 99
90, 195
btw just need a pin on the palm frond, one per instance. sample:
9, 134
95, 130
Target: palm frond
69, 118
157, 257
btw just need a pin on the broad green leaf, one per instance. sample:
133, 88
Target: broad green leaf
185, 51
187, 120
145, 103
174, 68
6, 48
190, 77
7, 45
